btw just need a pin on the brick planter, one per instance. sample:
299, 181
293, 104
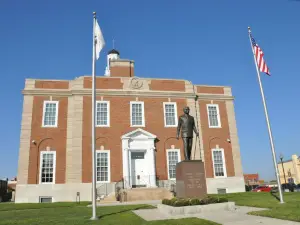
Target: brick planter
185, 210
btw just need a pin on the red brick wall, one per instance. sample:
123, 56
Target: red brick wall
55, 138
122, 71
103, 83
210, 90
216, 136
51, 84
167, 85
120, 125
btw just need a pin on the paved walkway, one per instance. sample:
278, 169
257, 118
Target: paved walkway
146, 202
237, 217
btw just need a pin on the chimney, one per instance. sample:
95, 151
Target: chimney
122, 68
117, 67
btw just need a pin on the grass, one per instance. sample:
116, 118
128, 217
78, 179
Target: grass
77, 214
290, 210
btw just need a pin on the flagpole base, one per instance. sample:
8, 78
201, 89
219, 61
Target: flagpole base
94, 218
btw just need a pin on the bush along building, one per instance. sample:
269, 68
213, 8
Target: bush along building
136, 121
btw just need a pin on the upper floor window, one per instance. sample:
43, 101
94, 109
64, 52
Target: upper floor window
219, 163
50, 113
170, 114
173, 157
137, 116
213, 116
102, 114
103, 166
47, 167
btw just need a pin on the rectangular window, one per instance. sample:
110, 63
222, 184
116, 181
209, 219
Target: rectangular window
137, 114
47, 167
221, 191
213, 116
50, 113
219, 163
45, 199
173, 157
102, 114
103, 166
170, 114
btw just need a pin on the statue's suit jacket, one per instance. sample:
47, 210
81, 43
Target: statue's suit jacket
187, 125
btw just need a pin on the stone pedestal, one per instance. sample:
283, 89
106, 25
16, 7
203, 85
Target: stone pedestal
190, 179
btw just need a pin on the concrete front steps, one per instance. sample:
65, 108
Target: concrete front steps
111, 198
142, 194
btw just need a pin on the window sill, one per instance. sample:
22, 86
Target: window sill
170, 126
49, 126
137, 125
214, 127
102, 125
219, 177
102, 182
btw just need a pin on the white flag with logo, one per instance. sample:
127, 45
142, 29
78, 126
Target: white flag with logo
99, 40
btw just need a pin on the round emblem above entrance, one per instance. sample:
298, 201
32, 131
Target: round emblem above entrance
136, 83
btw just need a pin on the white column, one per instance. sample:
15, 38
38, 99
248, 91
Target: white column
129, 176
152, 167
125, 167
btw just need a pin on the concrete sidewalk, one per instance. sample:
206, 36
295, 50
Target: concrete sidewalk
237, 217
146, 202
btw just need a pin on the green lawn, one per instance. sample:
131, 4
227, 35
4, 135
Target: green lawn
290, 210
72, 213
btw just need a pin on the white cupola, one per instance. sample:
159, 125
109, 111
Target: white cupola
111, 55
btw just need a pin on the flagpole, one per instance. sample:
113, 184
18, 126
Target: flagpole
267, 120
94, 216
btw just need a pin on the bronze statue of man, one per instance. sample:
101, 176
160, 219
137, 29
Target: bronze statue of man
187, 125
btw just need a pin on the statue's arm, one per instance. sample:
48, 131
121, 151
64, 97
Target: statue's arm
178, 127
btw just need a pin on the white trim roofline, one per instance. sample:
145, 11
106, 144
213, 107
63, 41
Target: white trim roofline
128, 135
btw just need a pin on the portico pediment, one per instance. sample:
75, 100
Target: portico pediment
139, 134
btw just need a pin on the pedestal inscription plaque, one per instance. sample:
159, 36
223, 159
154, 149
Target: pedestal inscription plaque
190, 179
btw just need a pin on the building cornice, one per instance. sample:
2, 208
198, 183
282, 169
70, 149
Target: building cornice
122, 93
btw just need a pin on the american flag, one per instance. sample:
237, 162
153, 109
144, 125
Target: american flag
261, 63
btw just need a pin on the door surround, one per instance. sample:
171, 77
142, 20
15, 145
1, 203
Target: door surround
137, 141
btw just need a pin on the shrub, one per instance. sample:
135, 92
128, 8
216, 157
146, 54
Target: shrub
208, 200
186, 202
194, 201
211, 200
178, 202
220, 200
166, 202
173, 200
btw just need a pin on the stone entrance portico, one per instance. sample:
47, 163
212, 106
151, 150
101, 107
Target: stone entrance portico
138, 149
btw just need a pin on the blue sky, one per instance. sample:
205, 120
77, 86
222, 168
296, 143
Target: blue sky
202, 41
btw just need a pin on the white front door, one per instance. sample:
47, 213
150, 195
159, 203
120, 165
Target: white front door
138, 169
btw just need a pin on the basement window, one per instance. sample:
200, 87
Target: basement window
45, 199
221, 190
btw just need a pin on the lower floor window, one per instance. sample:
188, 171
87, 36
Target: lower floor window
103, 166
45, 199
219, 163
47, 167
173, 157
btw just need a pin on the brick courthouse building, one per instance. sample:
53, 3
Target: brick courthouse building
136, 130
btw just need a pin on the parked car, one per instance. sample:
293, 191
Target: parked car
262, 189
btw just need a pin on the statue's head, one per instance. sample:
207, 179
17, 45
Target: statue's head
186, 110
